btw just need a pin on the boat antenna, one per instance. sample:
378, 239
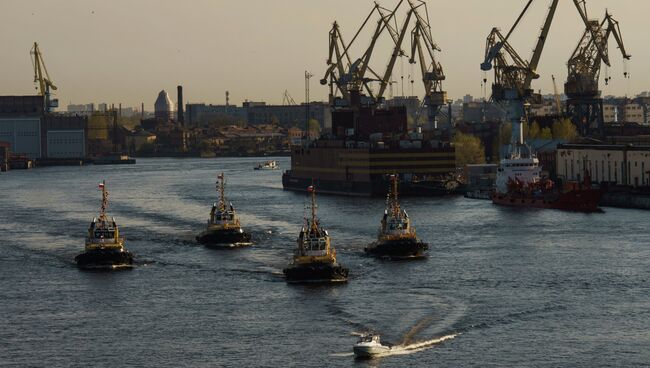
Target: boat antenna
102, 210
221, 188
394, 205
312, 190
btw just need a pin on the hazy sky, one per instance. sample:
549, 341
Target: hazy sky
128, 50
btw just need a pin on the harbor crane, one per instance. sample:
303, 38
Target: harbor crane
584, 104
350, 78
42, 78
512, 74
556, 95
423, 45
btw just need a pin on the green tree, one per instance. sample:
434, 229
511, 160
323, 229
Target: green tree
546, 133
564, 129
314, 127
534, 131
469, 149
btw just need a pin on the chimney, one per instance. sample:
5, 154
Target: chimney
181, 118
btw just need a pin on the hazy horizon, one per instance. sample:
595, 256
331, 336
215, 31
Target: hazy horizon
127, 51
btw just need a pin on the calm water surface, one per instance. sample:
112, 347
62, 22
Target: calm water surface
524, 288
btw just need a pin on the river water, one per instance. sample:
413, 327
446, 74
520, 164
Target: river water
501, 287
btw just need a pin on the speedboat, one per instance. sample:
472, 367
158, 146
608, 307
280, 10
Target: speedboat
268, 165
369, 346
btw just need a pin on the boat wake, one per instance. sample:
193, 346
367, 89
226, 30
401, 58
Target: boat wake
419, 346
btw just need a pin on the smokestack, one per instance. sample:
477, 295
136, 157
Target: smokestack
181, 118
142, 111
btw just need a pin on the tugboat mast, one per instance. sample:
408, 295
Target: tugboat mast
393, 203
221, 189
102, 210
313, 227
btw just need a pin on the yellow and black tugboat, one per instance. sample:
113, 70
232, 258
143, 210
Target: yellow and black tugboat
224, 229
397, 238
104, 246
315, 259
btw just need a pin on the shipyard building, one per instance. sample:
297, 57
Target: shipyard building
607, 163
29, 131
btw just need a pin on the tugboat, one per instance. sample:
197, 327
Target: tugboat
397, 239
314, 260
519, 184
223, 229
268, 165
104, 246
370, 346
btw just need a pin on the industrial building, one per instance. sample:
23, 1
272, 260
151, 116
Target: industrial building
30, 131
256, 113
615, 164
20, 124
164, 107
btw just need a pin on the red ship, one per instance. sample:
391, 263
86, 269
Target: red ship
519, 184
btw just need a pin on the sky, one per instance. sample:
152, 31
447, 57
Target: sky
126, 51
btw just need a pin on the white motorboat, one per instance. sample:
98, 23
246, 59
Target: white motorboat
268, 165
369, 346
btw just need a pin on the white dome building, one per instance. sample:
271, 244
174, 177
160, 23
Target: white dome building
163, 107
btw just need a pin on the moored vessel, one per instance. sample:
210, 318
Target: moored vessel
104, 247
223, 228
396, 238
519, 184
314, 259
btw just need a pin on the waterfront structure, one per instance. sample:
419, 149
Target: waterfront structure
607, 163
20, 123
198, 114
39, 135
256, 113
63, 137
164, 107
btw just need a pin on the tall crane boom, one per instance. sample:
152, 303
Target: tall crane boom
556, 94
584, 103
349, 77
423, 45
512, 74
541, 41
42, 77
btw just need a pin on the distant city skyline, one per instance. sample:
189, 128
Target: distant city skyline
127, 51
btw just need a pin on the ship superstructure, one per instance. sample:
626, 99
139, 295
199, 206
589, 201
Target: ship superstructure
223, 227
104, 246
314, 258
396, 237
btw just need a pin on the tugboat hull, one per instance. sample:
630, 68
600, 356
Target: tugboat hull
224, 238
105, 259
316, 273
398, 249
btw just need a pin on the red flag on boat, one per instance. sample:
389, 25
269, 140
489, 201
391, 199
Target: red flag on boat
101, 185
310, 188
